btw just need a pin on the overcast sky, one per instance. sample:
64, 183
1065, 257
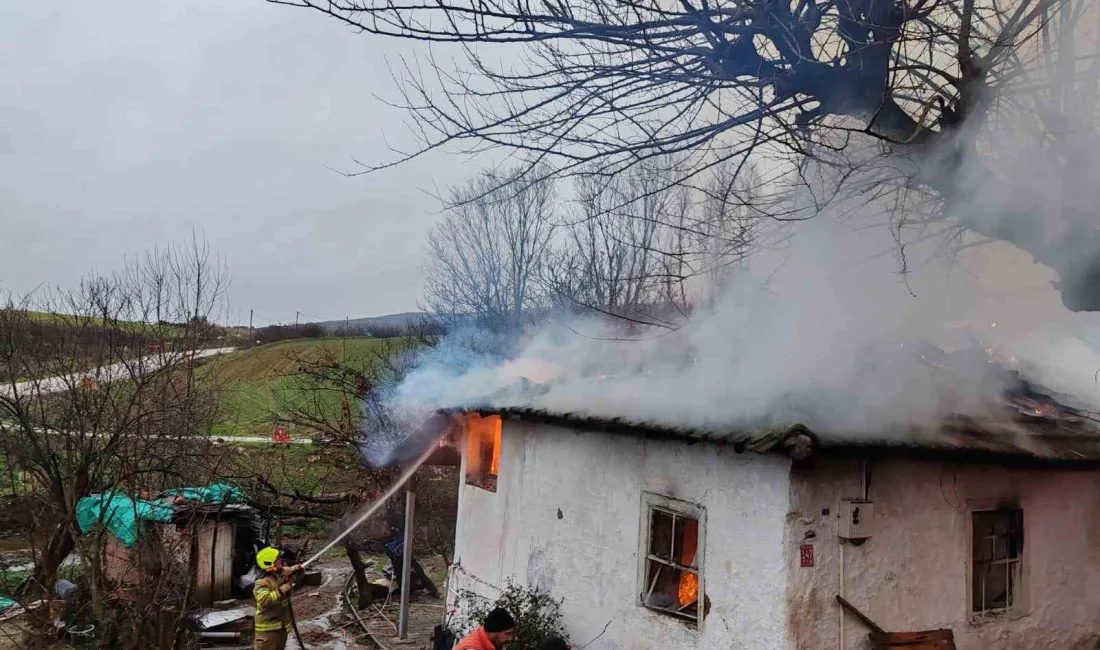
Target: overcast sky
124, 124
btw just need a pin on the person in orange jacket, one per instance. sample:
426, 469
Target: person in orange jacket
495, 633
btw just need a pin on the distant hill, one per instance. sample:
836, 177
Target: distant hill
389, 320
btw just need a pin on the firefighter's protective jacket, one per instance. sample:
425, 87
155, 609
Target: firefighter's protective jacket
271, 609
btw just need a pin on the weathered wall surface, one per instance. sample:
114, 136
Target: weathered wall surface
913, 574
566, 516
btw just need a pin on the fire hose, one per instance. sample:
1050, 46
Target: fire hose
293, 621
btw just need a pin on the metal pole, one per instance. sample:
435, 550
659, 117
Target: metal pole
250, 326
406, 564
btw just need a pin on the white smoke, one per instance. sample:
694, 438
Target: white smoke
830, 341
827, 330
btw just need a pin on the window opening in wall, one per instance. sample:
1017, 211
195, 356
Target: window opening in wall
482, 450
998, 542
672, 557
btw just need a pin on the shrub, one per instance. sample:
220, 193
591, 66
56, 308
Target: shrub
537, 615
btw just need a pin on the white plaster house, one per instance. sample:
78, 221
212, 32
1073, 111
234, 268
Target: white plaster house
990, 530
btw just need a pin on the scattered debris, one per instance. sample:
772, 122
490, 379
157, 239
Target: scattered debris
211, 618
883, 640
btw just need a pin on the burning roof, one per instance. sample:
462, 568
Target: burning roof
1026, 437
1015, 420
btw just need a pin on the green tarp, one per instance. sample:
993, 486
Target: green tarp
6, 602
122, 515
216, 493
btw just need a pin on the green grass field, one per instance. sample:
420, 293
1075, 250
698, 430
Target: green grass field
254, 383
156, 329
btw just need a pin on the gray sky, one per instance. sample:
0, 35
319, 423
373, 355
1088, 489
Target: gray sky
124, 124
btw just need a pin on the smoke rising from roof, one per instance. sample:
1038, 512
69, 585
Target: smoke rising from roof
828, 328
832, 341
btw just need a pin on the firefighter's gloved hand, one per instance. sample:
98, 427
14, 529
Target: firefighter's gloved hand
286, 587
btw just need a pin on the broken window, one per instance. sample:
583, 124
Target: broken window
998, 542
482, 450
671, 568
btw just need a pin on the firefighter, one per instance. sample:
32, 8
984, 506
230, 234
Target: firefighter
272, 620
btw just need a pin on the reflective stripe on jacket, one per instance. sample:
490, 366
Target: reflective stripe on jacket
271, 609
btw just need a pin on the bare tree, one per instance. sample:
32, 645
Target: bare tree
643, 248
611, 258
731, 214
484, 257
100, 389
612, 83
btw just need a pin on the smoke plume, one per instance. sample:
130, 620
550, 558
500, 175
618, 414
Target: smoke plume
829, 328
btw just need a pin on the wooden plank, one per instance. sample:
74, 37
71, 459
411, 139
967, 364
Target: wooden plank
204, 564
860, 615
222, 562
924, 640
932, 635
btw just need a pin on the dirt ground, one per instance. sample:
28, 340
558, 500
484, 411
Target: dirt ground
326, 622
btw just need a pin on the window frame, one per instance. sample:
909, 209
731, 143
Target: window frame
1017, 584
651, 501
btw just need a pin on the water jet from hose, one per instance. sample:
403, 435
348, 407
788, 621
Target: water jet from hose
402, 480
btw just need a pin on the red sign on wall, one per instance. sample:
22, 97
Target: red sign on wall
806, 555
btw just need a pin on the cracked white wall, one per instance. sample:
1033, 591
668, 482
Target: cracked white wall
913, 573
588, 554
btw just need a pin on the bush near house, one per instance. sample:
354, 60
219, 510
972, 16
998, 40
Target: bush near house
537, 615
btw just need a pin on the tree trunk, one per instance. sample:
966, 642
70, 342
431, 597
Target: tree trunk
59, 546
360, 571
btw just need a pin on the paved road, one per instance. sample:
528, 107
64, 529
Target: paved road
104, 374
229, 440
122, 370
226, 440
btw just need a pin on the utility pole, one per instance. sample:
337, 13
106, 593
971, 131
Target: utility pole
344, 354
296, 315
406, 562
250, 339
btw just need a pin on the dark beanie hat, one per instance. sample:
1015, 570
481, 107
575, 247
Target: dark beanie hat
499, 620
553, 643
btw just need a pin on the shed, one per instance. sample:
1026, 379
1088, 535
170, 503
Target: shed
203, 536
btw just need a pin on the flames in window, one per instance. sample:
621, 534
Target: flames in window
673, 564
688, 590
494, 457
482, 450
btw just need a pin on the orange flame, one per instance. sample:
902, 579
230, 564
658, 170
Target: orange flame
688, 590
483, 434
494, 466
